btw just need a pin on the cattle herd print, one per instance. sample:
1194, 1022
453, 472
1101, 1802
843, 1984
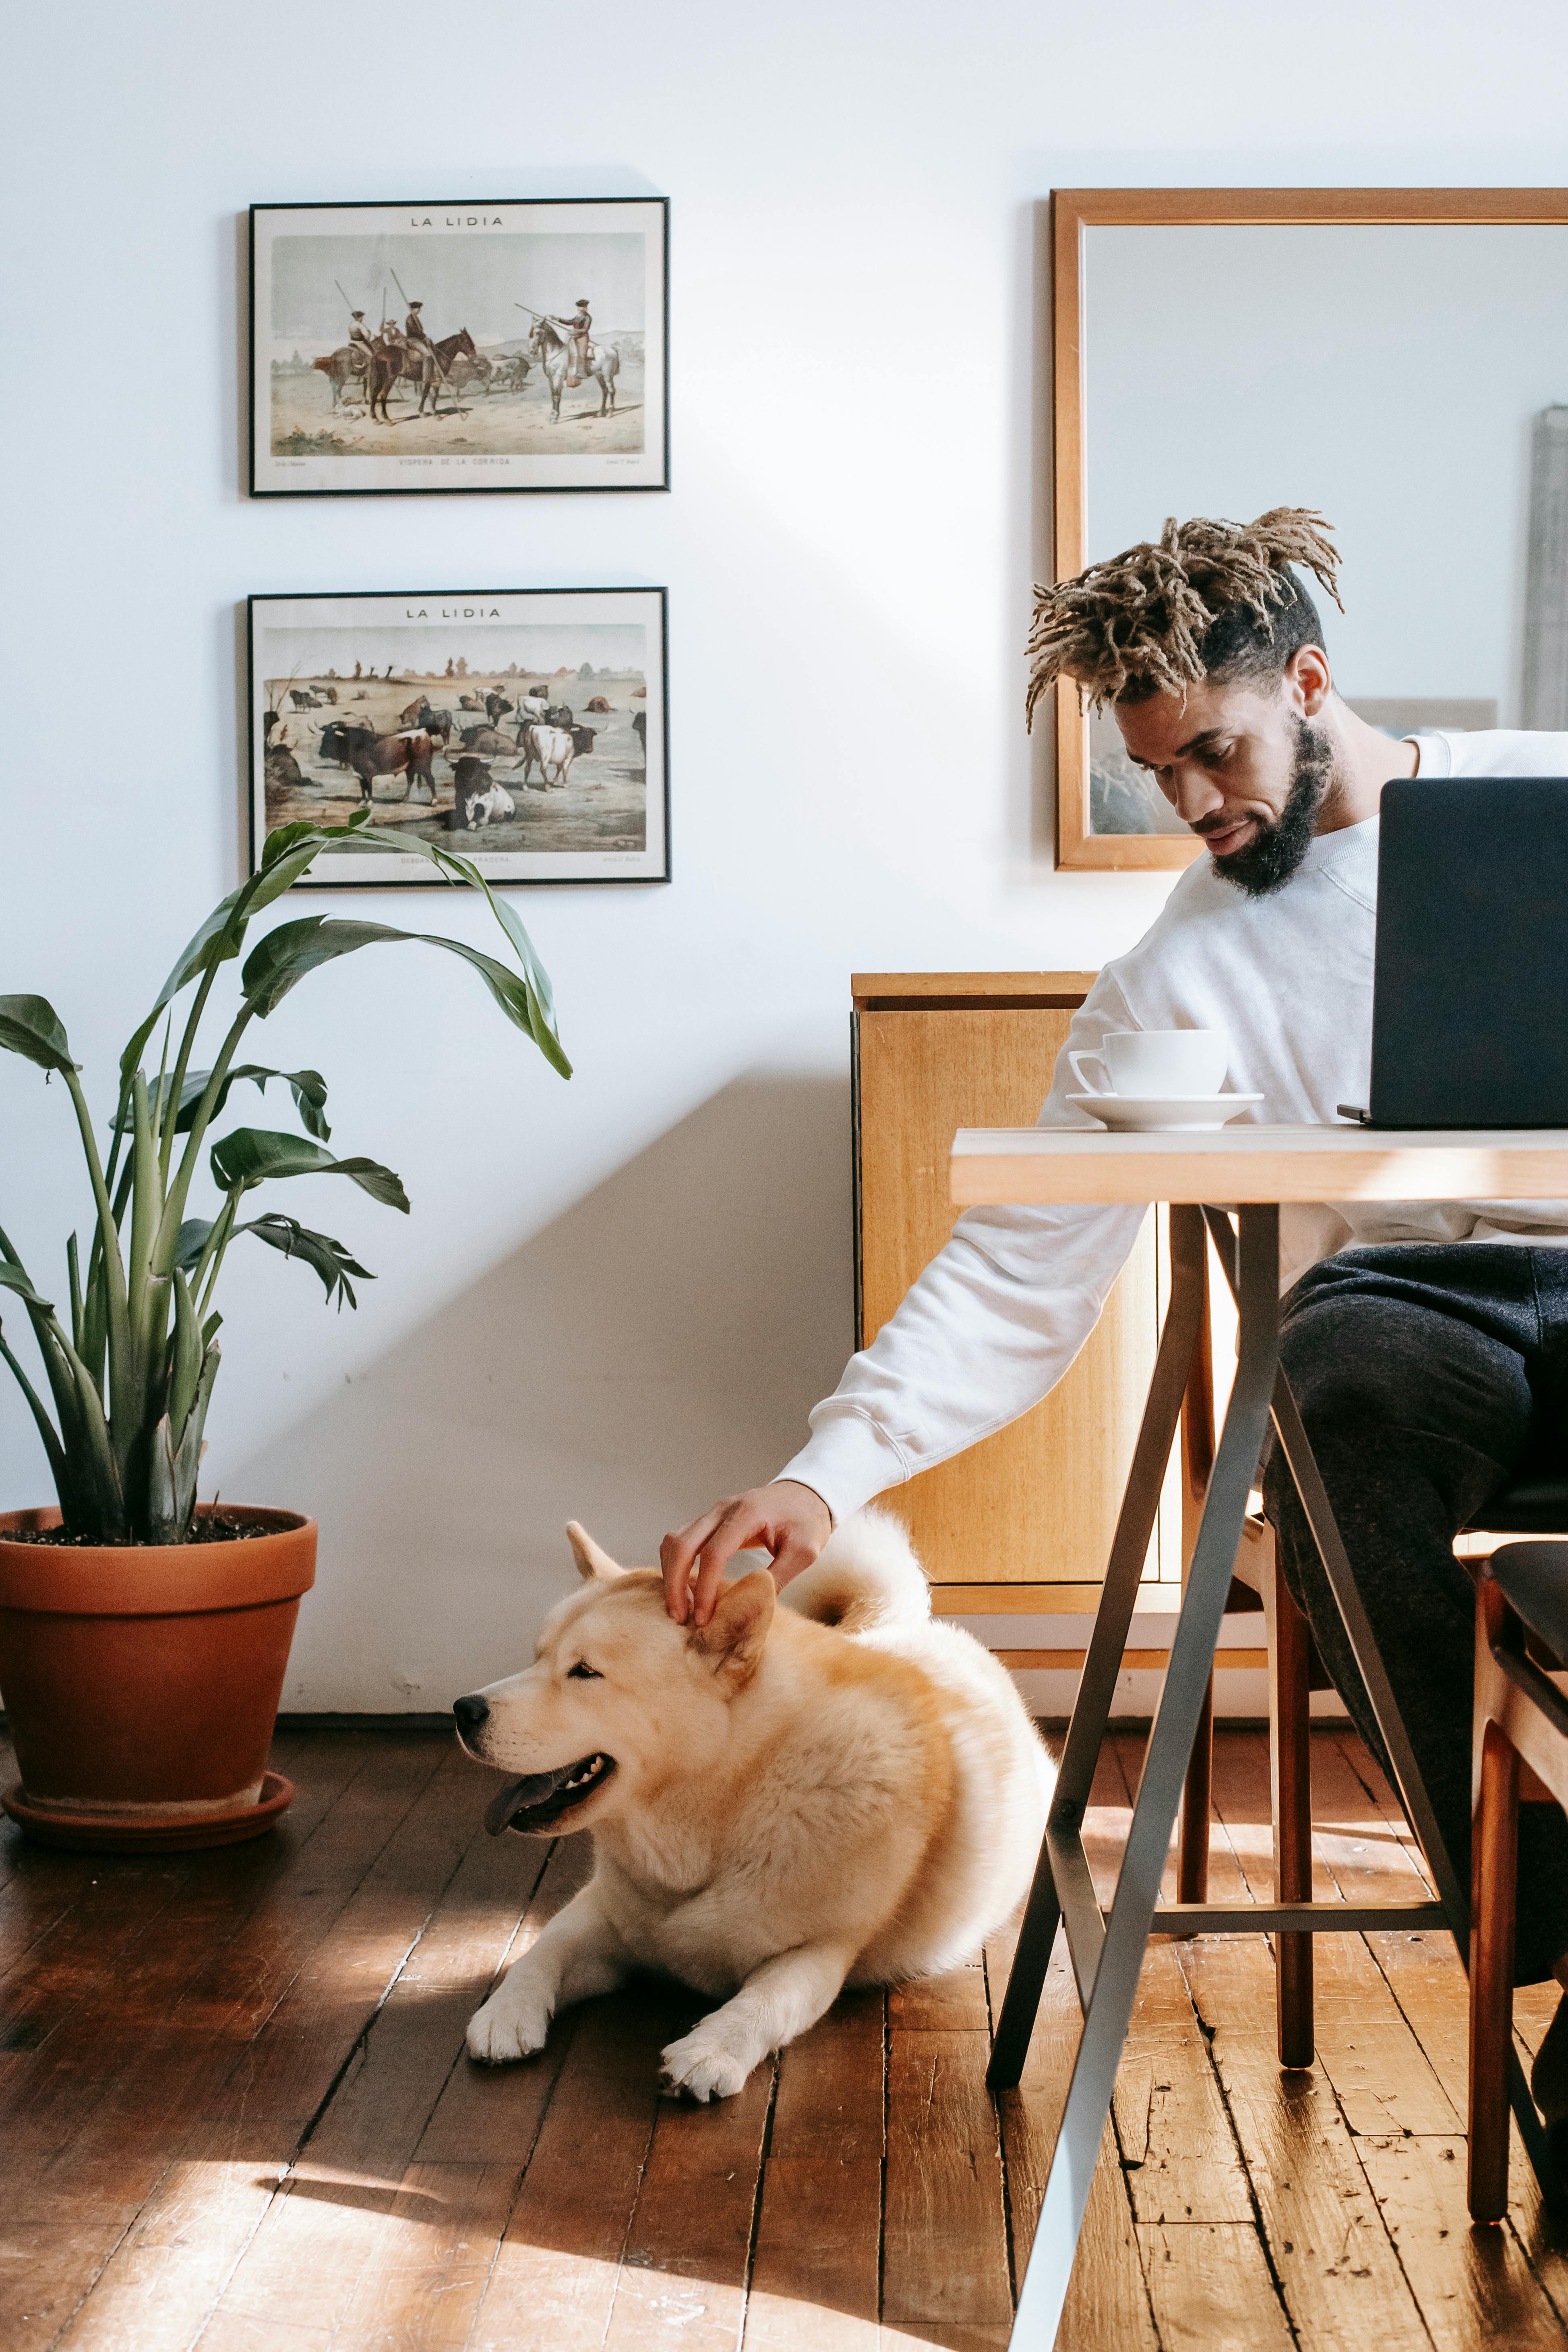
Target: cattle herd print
444, 347
525, 729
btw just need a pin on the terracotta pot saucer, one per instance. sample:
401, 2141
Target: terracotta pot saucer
94, 1834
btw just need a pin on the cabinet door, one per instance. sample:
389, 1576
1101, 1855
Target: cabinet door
1037, 1503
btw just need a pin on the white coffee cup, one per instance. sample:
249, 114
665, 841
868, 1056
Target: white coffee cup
1157, 1065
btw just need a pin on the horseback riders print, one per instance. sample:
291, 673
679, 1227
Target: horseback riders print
524, 728
427, 347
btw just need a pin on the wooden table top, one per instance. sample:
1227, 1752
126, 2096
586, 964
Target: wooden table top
1029, 1165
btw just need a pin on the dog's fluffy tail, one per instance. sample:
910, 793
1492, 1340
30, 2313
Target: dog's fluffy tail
865, 1575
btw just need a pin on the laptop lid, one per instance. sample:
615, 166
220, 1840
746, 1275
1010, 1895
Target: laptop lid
1469, 1021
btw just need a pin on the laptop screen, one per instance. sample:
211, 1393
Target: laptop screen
1470, 1023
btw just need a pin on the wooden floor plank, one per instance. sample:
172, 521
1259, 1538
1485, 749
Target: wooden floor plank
1343, 2281
306, 2255
553, 2285
1188, 2167
815, 2269
1347, 1983
1177, 2148
1211, 2287
683, 2273
816, 2263
291, 2063
430, 2260
491, 2114
1474, 2287
1420, 1967
945, 2235
75, 2195
198, 2166
384, 2101
1108, 2303
1542, 2235
125, 1999
953, 2002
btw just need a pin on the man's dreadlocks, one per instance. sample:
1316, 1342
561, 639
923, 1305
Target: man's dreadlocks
1213, 599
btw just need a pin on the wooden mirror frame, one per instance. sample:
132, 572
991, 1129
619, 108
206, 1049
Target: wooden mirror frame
1073, 212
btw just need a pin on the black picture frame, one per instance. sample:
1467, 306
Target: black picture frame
424, 613
438, 467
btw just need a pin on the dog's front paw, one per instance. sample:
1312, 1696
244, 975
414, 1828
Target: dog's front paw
702, 2065
505, 2029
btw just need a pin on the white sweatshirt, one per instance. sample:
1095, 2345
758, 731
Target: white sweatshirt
1000, 1314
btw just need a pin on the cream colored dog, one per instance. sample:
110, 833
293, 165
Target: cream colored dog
784, 1800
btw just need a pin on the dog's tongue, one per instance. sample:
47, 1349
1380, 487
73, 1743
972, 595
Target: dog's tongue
531, 1789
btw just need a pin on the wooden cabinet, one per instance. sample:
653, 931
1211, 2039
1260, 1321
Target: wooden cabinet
1024, 1520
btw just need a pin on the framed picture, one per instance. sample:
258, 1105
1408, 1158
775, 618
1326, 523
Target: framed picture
459, 347
524, 726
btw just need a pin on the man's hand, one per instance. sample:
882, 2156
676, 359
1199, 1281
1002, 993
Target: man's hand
785, 1520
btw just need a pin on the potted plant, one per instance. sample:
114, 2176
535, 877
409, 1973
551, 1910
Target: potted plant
143, 1637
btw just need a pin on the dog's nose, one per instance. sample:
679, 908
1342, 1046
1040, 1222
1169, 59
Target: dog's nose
470, 1711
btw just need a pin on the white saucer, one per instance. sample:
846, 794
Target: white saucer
1152, 1114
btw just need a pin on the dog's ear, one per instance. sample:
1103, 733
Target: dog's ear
593, 1565
734, 1636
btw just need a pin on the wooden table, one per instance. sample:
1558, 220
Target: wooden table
1252, 1170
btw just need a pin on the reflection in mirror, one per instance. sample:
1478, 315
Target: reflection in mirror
1405, 380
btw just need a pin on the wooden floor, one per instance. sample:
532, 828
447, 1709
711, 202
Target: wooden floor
235, 2113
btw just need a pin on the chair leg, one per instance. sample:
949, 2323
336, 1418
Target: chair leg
1196, 1799
1198, 1467
1494, 1866
1290, 1762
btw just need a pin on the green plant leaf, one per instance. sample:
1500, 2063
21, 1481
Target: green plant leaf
13, 1278
330, 1260
171, 1469
462, 870
285, 957
190, 1242
30, 1026
186, 1354
287, 857
308, 1088
253, 1155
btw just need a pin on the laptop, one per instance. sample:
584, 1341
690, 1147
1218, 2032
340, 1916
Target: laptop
1469, 1004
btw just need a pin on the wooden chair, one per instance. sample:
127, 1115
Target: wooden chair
1520, 1719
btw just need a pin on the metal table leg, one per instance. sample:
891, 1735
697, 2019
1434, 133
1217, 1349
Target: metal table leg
1102, 1664
1109, 1986
1107, 1953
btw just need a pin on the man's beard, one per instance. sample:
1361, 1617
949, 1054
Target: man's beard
1274, 855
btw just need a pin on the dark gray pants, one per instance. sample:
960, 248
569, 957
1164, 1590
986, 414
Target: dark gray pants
1427, 1376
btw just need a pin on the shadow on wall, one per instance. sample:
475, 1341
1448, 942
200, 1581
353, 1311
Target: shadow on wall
657, 1345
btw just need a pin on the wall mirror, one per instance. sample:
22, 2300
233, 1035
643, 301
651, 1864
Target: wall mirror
1397, 358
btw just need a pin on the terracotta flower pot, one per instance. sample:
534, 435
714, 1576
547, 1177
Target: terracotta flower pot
142, 1682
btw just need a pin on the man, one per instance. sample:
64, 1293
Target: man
1427, 1343
361, 344
579, 329
415, 328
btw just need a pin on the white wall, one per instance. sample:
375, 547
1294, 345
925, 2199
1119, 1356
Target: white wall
613, 1298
